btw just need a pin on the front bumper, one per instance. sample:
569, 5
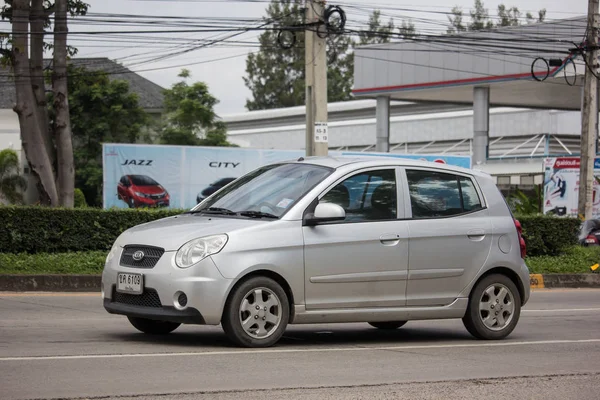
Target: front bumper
171, 314
203, 285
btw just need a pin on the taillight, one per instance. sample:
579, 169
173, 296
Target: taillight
591, 239
521, 240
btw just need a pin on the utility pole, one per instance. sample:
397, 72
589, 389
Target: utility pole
589, 115
317, 133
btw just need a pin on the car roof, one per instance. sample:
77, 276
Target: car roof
375, 161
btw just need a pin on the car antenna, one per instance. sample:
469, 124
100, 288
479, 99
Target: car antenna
301, 159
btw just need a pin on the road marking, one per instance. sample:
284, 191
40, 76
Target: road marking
563, 310
299, 350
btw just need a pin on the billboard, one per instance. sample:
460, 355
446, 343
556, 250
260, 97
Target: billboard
561, 186
138, 175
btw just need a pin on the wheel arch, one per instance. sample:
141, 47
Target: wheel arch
268, 274
510, 274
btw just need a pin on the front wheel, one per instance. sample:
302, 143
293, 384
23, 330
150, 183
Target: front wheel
256, 313
153, 327
494, 308
387, 325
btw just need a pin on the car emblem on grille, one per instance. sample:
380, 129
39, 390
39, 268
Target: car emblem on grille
138, 255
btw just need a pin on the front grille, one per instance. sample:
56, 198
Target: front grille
147, 299
157, 196
151, 256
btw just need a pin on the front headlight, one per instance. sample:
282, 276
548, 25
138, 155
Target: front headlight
140, 194
113, 251
197, 250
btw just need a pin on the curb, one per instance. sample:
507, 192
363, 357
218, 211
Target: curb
50, 283
91, 283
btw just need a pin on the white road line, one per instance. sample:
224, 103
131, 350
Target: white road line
299, 350
563, 310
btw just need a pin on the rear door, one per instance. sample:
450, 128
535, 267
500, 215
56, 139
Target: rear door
450, 235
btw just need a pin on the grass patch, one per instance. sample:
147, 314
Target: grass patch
76, 263
576, 259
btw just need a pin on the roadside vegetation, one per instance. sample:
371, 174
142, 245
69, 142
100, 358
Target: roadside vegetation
42, 240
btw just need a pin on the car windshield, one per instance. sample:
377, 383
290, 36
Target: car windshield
273, 190
142, 180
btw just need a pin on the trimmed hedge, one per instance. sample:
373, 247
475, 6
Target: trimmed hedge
548, 235
48, 230
52, 230
75, 263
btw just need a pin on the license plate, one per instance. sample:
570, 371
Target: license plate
130, 283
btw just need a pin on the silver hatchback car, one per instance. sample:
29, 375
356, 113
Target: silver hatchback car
327, 240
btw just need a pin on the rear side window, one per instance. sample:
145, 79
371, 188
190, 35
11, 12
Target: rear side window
436, 194
471, 200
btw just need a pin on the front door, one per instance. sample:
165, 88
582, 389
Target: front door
450, 236
363, 260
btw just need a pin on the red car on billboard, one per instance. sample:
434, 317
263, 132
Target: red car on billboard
142, 191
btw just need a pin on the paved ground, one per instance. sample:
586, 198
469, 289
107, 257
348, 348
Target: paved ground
67, 346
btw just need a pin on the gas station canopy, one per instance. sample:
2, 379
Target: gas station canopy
447, 68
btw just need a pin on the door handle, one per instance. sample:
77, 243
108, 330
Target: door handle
476, 234
390, 239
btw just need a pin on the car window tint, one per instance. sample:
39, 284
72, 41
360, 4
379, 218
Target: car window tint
471, 200
433, 194
368, 196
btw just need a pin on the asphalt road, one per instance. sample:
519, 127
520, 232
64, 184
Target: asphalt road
67, 346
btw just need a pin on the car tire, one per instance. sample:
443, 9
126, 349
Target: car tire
131, 203
388, 325
481, 318
153, 327
256, 313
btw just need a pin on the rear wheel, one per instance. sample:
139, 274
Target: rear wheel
494, 308
153, 327
388, 325
256, 313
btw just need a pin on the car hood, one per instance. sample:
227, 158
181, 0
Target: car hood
173, 232
149, 189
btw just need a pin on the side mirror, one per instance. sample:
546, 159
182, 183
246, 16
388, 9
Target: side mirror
325, 212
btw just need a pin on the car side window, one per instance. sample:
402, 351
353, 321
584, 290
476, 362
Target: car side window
471, 200
368, 196
436, 194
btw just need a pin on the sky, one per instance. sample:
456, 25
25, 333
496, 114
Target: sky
225, 77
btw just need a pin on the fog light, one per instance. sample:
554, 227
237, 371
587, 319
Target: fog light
180, 300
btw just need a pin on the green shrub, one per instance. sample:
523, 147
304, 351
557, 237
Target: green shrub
576, 259
79, 200
47, 230
52, 230
90, 262
548, 235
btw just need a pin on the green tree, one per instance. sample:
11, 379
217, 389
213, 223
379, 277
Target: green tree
376, 33
190, 117
50, 154
480, 19
407, 30
276, 77
456, 21
12, 184
102, 110
541, 16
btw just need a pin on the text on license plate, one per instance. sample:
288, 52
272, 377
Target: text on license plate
130, 283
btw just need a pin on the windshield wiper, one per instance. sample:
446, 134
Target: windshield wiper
212, 210
257, 214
